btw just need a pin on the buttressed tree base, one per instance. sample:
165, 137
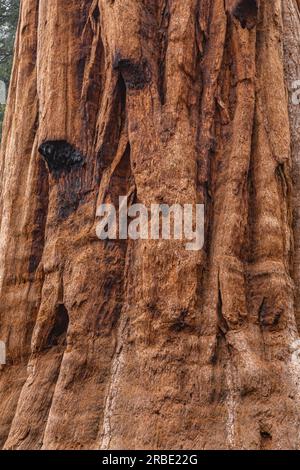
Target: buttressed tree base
124, 344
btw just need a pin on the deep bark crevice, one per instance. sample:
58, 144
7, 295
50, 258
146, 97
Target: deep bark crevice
163, 26
58, 333
160, 102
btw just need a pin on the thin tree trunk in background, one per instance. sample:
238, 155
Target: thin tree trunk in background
143, 344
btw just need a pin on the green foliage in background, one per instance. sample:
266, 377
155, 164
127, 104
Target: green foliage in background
9, 13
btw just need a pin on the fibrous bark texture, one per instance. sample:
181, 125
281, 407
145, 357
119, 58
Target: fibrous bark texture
143, 344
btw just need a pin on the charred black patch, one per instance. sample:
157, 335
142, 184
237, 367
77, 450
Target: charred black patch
136, 75
60, 156
246, 12
69, 199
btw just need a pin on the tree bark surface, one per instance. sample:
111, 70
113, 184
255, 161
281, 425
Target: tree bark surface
143, 344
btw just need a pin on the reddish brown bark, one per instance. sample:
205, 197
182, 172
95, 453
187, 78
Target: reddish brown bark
143, 344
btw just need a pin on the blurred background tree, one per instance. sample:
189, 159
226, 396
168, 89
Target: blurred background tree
9, 13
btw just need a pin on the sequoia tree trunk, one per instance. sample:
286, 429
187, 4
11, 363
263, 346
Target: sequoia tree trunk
143, 344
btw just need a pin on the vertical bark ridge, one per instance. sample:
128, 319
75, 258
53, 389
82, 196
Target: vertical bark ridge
19, 175
177, 102
291, 18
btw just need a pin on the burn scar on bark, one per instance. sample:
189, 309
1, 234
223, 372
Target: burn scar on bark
246, 11
136, 75
60, 156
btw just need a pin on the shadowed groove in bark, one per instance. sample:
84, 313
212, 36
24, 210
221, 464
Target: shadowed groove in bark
93, 79
163, 25
58, 333
113, 127
266, 440
39, 220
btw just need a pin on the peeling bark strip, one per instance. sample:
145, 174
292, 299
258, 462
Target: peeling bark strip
126, 344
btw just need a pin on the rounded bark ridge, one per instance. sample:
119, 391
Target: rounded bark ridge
145, 344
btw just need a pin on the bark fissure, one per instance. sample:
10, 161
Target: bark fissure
152, 345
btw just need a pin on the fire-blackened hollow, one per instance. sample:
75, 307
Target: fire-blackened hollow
60, 156
246, 11
136, 75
